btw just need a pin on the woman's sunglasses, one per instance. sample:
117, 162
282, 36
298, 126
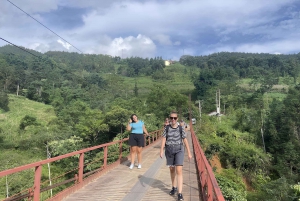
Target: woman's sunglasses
173, 118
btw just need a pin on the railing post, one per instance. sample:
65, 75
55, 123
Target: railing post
120, 150
37, 183
80, 168
105, 157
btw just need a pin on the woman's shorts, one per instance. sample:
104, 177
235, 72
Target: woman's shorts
136, 140
174, 154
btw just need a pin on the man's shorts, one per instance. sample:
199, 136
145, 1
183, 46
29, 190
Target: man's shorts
136, 140
174, 154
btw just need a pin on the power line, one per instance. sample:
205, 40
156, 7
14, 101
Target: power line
45, 26
19, 47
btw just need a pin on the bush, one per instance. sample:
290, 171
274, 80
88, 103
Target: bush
231, 190
27, 121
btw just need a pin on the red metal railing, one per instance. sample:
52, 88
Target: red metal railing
80, 178
208, 183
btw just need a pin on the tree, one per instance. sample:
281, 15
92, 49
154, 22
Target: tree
205, 82
4, 101
117, 119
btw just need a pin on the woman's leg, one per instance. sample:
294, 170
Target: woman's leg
173, 176
133, 150
179, 178
139, 154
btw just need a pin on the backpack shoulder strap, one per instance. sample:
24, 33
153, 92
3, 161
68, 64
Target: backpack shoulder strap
180, 130
167, 130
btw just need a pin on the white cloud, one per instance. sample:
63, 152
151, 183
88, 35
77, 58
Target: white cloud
130, 46
64, 44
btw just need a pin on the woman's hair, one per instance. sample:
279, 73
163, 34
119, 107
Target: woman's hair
131, 117
174, 112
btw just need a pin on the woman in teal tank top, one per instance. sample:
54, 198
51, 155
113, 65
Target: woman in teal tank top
136, 139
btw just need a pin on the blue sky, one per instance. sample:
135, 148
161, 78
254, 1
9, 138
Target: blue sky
149, 28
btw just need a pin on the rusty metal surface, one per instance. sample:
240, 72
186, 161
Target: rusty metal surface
152, 182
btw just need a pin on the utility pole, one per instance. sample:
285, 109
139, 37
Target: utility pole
50, 182
200, 109
218, 103
262, 130
6, 184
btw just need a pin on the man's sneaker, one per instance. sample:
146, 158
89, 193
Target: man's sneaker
173, 191
180, 197
131, 166
139, 166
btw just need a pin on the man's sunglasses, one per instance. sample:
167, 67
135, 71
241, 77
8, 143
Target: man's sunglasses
173, 118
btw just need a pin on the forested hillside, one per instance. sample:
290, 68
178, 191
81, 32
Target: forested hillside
68, 101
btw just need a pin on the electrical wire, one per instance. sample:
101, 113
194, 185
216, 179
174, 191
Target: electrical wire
45, 26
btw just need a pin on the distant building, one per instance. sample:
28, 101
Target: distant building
167, 63
214, 114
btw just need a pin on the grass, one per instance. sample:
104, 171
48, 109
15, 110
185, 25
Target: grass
19, 107
181, 81
274, 95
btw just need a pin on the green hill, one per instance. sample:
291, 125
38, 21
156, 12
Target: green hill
11, 137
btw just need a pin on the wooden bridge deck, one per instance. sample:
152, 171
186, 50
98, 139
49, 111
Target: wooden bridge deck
151, 182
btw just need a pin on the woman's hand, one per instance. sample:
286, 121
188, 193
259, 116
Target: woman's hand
190, 156
130, 121
161, 154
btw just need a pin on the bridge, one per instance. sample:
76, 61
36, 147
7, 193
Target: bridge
113, 180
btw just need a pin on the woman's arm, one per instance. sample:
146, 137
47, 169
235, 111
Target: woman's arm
128, 125
145, 130
186, 143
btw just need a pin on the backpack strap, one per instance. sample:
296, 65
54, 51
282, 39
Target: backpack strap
167, 131
180, 130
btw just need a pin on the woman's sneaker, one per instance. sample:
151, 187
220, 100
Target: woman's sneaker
173, 191
131, 166
180, 197
139, 166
